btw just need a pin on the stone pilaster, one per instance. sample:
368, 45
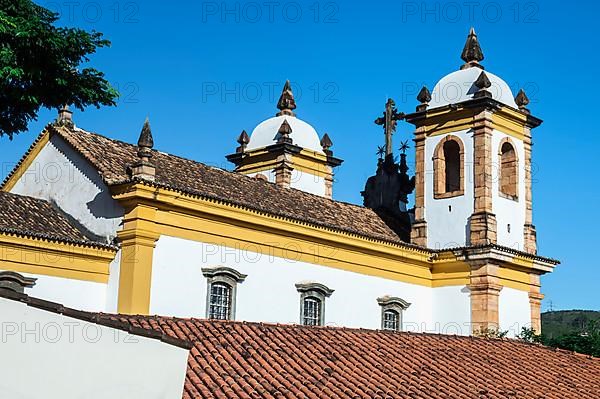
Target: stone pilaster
329, 182
283, 172
418, 234
482, 224
535, 303
485, 291
528, 229
483, 228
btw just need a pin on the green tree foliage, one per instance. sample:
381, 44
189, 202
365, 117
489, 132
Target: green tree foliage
585, 340
39, 65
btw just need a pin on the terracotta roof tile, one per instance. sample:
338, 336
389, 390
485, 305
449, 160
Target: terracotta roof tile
255, 360
112, 157
37, 218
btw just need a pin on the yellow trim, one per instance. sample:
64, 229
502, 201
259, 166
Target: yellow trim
138, 239
505, 120
217, 223
27, 161
517, 279
28, 255
306, 161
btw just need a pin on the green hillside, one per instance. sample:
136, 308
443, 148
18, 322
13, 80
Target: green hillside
565, 322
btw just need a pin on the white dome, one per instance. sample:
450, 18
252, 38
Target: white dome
460, 86
303, 134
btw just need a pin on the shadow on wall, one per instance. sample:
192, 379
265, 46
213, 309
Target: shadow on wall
102, 206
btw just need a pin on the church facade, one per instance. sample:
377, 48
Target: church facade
126, 228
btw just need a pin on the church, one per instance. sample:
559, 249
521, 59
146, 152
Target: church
108, 226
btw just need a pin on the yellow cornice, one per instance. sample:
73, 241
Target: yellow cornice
26, 161
305, 161
38, 256
214, 222
446, 120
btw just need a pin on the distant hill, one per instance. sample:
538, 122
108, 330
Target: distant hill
564, 322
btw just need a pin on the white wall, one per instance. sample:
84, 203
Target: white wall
447, 227
46, 355
269, 294
300, 180
452, 310
78, 294
112, 288
308, 182
59, 174
514, 311
508, 211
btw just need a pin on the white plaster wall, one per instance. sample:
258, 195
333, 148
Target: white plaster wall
508, 211
308, 182
300, 180
52, 356
112, 288
447, 218
452, 310
269, 294
78, 294
514, 311
59, 174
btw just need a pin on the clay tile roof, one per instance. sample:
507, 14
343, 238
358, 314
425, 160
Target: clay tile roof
252, 360
36, 218
112, 157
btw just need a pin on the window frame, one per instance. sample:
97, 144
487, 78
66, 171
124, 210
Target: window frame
439, 169
222, 275
390, 303
317, 291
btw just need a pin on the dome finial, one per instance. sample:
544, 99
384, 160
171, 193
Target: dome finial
286, 103
472, 53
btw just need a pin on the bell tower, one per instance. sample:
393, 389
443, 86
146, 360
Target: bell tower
473, 160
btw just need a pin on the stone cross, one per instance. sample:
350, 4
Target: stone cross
388, 121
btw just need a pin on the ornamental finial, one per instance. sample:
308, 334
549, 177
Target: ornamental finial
472, 53
65, 117
145, 141
143, 168
522, 100
424, 97
284, 133
483, 84
243, 141
286, 103
326, 143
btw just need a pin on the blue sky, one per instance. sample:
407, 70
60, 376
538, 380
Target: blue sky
203, 71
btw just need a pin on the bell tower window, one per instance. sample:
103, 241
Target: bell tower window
448, 165
509, 170
452, 165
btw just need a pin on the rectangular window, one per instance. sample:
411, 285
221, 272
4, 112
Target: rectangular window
220, 301
391, 320
312, 312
